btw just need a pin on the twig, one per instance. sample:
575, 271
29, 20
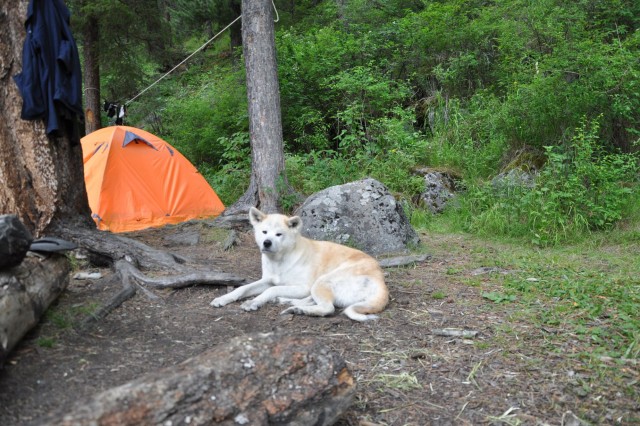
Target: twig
622, 360
461, 411
454, 332
386, 410
127, 292
231, 240
403, 260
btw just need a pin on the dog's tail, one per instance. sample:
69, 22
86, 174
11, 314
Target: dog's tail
358, 312
364, 311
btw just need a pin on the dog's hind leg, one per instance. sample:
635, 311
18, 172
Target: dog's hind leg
322, 296
307, 301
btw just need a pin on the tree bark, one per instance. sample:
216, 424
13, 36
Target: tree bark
265, 123
41, 178
91, 53
254, 380
25, 293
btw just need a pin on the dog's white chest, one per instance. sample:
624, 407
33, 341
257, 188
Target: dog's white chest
285, 273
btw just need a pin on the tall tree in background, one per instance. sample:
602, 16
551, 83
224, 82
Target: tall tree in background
191, 17
91, 75
268, 179
119, 41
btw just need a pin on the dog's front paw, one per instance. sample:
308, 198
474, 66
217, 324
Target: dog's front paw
221, 301
250, 305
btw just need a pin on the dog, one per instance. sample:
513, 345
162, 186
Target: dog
313, 276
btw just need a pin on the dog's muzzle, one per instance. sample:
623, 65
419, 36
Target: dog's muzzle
266, 245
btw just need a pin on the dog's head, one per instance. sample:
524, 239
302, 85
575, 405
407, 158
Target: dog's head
274, 233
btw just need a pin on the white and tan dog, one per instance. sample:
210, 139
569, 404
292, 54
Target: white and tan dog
313, 276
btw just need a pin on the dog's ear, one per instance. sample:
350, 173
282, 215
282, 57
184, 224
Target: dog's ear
256, 216
294, 222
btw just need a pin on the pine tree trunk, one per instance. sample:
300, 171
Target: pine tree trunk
265, 124
91, 54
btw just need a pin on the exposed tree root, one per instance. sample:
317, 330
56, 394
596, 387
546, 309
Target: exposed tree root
231, 240
127, 292
180, 281
105, 248
126, 256
132, 278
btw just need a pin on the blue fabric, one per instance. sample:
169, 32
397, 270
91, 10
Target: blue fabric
51, 80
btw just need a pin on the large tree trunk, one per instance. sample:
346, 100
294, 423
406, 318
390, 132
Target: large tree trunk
253, 380
41, 178
91, 53
265, 123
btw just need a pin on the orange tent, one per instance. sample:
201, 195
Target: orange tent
136, 180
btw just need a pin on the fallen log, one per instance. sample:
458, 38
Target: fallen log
256, 379
26, 291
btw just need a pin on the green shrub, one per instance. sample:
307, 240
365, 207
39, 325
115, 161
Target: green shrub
231, 179
464, 136
403, 151
199, 123
580, 189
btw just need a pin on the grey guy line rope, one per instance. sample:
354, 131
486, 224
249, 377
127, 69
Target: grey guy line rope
196, 51
183, 61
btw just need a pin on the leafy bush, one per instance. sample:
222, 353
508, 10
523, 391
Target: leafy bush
380, 89
465, 140
580, 189
232, 178
200, 123
308, 173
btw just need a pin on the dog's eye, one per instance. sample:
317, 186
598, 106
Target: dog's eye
264, 232
278, 234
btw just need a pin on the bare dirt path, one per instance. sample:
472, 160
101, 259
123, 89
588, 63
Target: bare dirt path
507, 371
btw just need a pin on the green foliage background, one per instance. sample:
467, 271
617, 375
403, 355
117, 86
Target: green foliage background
381, 89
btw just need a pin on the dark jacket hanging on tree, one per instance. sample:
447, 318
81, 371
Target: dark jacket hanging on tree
51, 81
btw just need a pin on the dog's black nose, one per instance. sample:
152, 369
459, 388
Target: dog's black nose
266, 243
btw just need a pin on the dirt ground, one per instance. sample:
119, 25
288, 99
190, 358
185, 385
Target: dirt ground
509, 372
